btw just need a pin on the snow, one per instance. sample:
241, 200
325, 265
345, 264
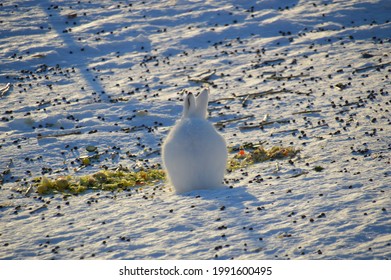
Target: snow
113, 76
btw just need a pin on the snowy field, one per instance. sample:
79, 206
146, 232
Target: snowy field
111, 74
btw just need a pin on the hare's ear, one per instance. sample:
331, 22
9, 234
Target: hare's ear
202, 104
189, 105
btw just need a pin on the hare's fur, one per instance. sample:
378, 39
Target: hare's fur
194, 153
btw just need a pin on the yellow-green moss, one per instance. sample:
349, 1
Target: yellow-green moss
102, 180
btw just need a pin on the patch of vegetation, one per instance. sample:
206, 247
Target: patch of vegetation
123, 179
249, 154
102, 180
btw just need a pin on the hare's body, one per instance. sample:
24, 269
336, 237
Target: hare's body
194, 153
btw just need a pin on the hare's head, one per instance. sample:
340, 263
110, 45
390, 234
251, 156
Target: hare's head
196, 107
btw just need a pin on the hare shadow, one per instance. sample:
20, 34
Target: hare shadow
228, 216
236, 203
236, 198
231, 196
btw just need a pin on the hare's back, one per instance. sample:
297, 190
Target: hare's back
195, 136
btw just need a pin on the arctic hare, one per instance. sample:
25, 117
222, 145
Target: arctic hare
194, 153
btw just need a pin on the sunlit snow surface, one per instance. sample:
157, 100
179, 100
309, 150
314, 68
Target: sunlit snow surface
84, 74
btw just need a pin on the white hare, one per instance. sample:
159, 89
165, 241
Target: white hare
194, 153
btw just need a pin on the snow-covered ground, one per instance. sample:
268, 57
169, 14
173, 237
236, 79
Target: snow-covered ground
112, 74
